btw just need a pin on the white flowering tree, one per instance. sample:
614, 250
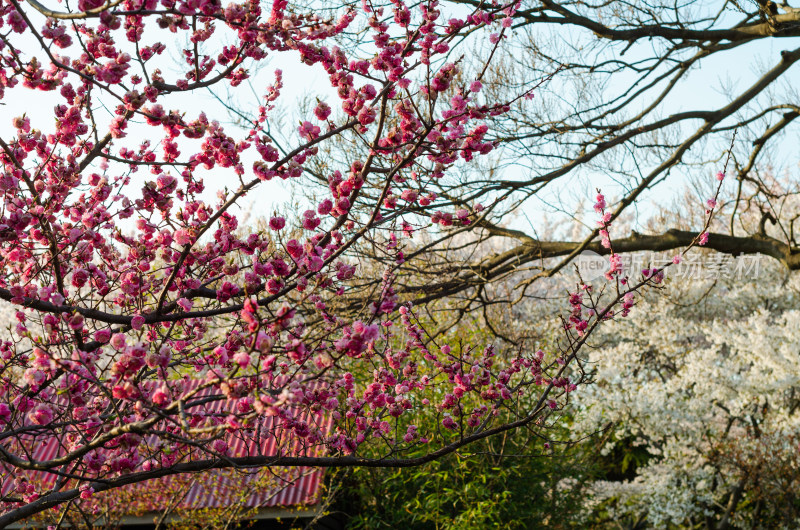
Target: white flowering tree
706, 381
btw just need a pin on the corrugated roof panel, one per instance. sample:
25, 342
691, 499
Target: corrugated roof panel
215, 488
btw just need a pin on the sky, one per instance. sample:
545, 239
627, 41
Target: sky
707, 88
703, 89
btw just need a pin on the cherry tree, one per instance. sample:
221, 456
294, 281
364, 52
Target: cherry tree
155, 332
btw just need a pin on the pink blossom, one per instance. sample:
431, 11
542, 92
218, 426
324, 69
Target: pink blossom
409, 195
220, 446
325, 207
160, 397
86, 5
24, 124
183, 237
277, 223
79, 277
185, 304
308, 130
264, 342
118, 341
41, 415
5, 412
226, 291
76, 322
295, 249
242, 359
600, 205
310, 220
322, 111
137, 322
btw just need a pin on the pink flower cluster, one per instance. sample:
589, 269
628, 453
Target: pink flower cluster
163, 325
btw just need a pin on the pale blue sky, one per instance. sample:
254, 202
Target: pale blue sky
736, 69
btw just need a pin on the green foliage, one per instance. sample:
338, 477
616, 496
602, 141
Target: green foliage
508, 482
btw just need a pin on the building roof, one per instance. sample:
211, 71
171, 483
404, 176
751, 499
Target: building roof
295, 487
